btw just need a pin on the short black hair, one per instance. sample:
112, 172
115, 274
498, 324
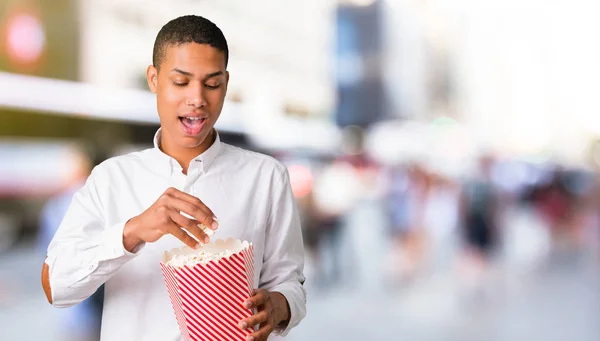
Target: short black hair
188, 29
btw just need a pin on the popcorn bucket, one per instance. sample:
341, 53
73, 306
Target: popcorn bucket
207, 294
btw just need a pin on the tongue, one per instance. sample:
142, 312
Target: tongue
192, 127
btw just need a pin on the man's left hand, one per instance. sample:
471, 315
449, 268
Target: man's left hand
273, 310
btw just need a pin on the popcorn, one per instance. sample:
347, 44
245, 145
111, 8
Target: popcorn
207, 287
208, 231
200, 257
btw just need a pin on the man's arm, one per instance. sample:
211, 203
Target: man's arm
46, 282
85, 252
283, 262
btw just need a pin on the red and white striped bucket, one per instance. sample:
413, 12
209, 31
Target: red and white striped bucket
208, 299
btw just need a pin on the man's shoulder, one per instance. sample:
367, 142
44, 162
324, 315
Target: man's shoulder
252, 159
123, 161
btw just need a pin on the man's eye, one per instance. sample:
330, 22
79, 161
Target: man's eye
213, 86
179, 84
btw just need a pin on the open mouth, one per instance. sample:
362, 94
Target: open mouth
192, 125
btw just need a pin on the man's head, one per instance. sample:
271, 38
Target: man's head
189, 76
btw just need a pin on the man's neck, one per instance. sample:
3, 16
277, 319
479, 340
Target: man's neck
184, 156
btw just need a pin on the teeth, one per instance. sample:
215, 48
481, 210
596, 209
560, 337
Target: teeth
194, 118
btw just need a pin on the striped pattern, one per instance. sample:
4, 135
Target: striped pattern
207, 299
248, 256
171, 282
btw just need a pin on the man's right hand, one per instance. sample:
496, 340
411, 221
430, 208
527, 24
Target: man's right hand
164, 217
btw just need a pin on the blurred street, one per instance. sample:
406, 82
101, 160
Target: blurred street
560, 301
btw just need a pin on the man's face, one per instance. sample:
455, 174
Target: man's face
190, 88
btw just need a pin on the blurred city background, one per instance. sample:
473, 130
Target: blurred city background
444, 153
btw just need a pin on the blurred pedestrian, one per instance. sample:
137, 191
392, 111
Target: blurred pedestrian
479, 208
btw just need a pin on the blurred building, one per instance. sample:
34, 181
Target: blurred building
418, 39
279, 51
526, 76
361, 96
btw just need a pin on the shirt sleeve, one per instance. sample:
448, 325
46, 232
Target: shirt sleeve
283, 262
84, 252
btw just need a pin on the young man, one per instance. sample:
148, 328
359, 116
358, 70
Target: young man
130, 209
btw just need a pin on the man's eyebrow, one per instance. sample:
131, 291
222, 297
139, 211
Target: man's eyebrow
189, 74
185, 73
214, 74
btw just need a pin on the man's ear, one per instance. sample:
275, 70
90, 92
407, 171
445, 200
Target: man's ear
151, 77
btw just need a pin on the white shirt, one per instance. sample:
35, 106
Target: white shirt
249, 193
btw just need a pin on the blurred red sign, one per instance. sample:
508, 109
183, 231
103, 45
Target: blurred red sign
24, 38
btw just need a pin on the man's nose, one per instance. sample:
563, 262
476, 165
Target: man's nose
196, 97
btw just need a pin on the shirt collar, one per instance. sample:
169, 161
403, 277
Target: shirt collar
207, 158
